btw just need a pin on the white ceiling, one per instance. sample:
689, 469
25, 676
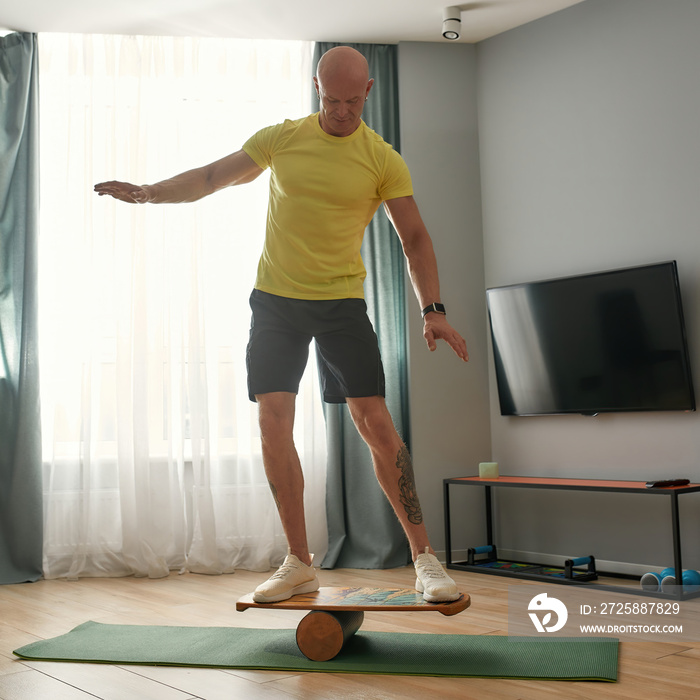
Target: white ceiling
362, 21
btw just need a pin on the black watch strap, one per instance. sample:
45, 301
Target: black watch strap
436, 306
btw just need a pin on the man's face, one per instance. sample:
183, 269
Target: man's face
342, 99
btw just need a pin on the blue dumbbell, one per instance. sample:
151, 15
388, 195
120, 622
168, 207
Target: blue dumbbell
652, 580
690, 578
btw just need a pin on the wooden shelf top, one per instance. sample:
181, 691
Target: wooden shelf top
590, 484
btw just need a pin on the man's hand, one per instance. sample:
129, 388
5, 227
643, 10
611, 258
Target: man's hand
124, 191
437, 327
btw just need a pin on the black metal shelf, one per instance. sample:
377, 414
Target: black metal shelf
536, 572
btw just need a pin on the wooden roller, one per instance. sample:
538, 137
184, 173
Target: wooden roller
322, 633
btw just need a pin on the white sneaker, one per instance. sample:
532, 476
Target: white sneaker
432, 581
291, 578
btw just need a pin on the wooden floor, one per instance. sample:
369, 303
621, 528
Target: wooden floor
29, 612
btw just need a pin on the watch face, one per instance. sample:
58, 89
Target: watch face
436, 307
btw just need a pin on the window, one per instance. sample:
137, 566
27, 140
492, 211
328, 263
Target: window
143, 309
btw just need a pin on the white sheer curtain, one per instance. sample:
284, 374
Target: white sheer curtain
151, 450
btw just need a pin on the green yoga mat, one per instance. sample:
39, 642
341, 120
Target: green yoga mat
366, 652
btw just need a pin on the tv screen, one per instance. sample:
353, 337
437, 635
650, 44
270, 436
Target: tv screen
596, 343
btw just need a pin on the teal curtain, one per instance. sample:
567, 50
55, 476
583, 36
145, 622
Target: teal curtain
20, 437
363, 530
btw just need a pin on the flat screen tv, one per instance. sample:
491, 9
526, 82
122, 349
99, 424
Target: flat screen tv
607, 342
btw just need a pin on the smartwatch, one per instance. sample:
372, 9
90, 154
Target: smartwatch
436, 306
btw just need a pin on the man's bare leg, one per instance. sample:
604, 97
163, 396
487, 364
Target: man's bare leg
286, 479
394, 470
283, 468
393, 466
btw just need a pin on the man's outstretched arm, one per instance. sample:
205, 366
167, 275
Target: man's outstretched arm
422, 267
235, 169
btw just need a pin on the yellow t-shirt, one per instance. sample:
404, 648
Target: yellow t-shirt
324, 191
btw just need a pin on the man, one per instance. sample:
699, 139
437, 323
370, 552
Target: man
329, 174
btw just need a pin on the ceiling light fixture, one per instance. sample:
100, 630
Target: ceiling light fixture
451, 22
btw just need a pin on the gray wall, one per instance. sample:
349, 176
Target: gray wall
439, 140
590, 160
585, 156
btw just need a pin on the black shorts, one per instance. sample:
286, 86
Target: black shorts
281, 329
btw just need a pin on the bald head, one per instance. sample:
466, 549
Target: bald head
342, 61
342, 83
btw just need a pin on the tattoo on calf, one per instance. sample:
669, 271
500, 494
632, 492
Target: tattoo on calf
274, 494
407, 487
